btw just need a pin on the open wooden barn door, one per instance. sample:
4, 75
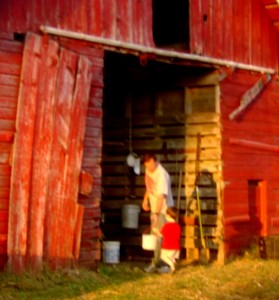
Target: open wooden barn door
44, 215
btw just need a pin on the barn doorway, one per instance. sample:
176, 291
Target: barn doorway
144, 110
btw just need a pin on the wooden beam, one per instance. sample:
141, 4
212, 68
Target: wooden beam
250, 96
237, 219
253, 144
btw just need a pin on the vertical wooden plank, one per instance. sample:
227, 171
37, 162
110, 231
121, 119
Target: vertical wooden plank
242, 30
109, 19
196, 44
227, 46
237, 31
207, 27
74, 160
41, 152
256, 32
77, 232
56, 180
274, 50
269, 42
137, 21
50, 13
66, 12
247, 47
147, 21
218, 27
22, 158
5, 17
122, 16
38, 14
82, 13
95, 17
18, 15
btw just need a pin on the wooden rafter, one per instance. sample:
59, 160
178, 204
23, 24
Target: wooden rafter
250, 96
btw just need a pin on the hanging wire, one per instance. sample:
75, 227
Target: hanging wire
130, 126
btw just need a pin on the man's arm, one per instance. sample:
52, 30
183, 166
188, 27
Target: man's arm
145, 202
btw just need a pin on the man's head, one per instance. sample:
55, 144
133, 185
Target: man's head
150, 162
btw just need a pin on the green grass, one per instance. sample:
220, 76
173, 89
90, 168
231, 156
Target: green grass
245, 278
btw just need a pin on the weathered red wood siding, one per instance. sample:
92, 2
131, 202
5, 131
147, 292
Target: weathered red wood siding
259, 122
90, 248
90, 251
124, 20
10, 67
237, 30
22, 154
234, 30
47, 156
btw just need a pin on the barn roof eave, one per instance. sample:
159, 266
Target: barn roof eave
153, 51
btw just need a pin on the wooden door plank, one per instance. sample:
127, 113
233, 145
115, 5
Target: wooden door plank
74, 158
62, 118
41, 152
22, 159
77, 232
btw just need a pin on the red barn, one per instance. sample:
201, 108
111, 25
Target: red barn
83, 83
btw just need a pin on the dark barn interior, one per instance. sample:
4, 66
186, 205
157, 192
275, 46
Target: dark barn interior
144, 110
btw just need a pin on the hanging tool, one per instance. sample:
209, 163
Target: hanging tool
133, 161
203, 250
179, 195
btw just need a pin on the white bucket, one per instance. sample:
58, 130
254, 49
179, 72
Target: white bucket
149, 241
111, 252
130, 216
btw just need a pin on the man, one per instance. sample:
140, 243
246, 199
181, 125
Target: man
156, 199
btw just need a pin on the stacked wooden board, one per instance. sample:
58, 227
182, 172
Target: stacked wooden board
203, 171
10, 68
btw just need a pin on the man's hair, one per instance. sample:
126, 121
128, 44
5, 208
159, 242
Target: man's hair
148, 156
172, 212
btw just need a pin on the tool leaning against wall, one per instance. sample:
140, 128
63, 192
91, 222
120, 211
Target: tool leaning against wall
203, 257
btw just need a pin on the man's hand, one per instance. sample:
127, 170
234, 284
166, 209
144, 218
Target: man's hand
145, 203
